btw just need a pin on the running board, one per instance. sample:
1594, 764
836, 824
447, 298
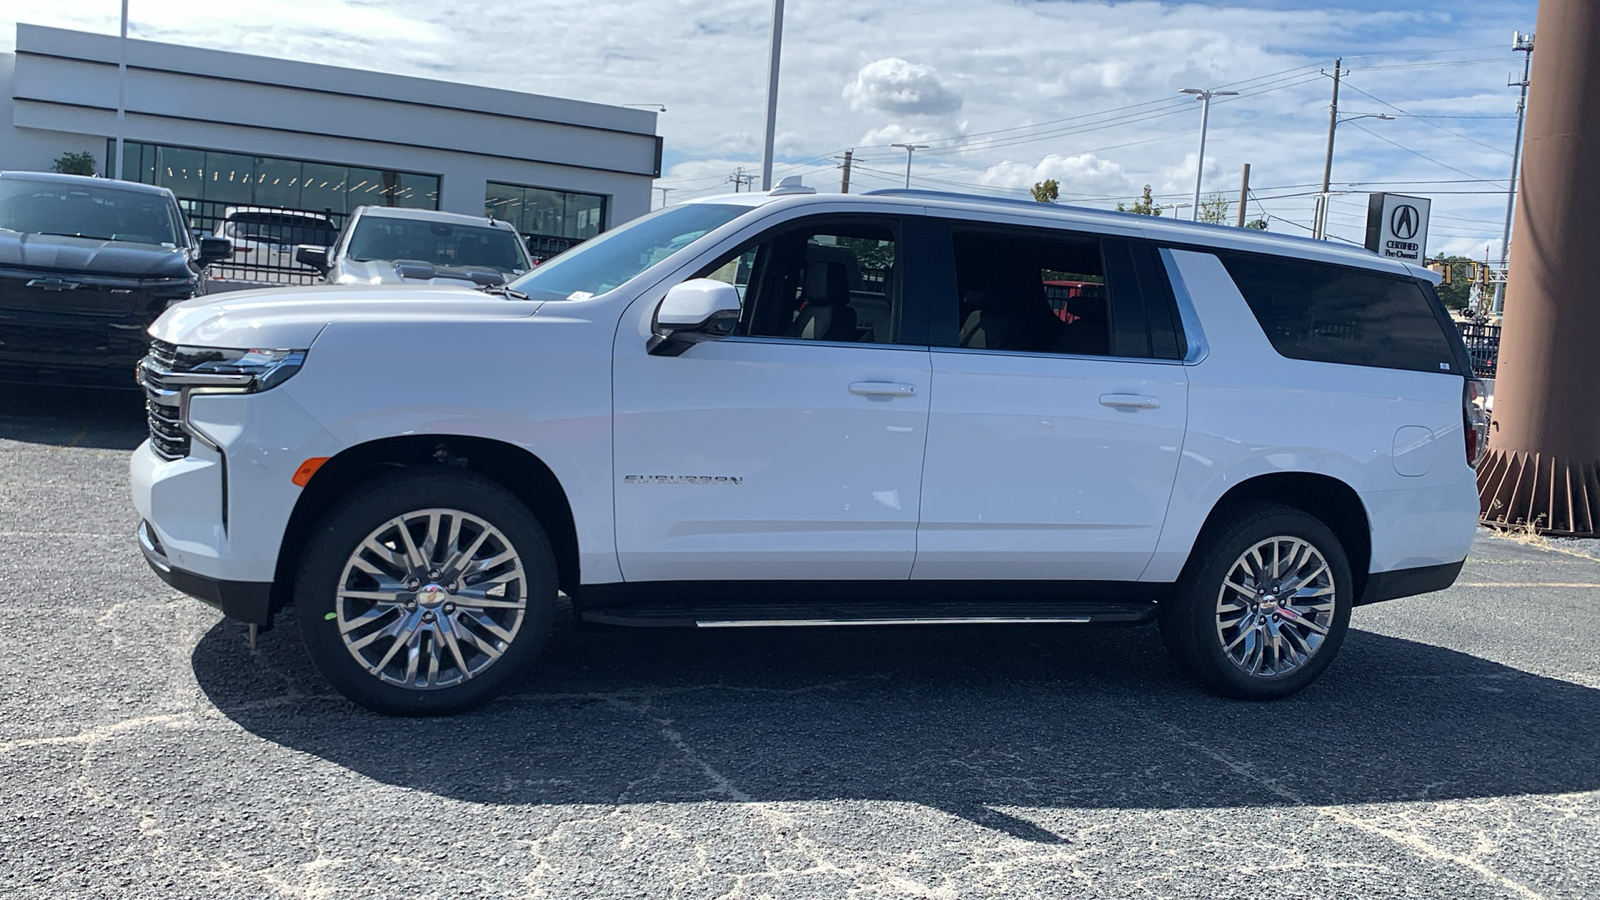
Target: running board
1059, 612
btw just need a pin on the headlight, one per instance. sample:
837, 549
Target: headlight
216, 370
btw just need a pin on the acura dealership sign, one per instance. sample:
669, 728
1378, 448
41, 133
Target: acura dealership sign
1397, 226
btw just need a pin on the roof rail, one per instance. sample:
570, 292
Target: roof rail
1159, 222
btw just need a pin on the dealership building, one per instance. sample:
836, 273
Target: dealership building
229, 129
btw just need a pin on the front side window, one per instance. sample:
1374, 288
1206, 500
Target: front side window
436, 243
604, 263
824, 280
1339, 314
88, 211
1034, 292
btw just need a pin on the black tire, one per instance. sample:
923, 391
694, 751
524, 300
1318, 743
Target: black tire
1190, 617
344, 528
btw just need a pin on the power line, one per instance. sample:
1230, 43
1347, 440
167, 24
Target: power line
1426, 122
1419, 153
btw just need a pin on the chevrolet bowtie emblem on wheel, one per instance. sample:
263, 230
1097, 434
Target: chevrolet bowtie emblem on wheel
683, 479
53, 284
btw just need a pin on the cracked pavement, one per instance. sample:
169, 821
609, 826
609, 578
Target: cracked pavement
1452, 751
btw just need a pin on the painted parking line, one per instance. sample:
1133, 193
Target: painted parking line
1529, 584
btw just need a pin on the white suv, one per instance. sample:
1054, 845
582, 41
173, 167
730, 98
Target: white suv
801, 409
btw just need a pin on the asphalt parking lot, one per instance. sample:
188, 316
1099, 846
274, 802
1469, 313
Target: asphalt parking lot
1452, 751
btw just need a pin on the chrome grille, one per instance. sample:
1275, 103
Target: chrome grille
161, 404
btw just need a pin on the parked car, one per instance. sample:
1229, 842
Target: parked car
697, 419
388, 245
265, 238
86, 265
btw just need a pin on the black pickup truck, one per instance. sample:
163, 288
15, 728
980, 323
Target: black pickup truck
86, 264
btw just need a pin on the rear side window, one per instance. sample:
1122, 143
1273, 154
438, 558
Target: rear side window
1338, 314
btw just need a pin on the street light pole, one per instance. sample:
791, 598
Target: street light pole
1205, 116
772, 94
1520, 43
910, 149
1319, 229
664, 191
122, 86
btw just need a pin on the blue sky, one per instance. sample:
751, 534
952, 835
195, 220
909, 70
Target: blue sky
1007, 92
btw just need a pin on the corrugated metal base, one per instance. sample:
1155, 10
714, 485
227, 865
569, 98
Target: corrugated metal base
1557, 496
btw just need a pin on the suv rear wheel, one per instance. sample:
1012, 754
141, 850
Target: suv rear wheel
426, 592
1264, 605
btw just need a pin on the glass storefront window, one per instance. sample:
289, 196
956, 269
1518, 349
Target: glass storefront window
544, 212
272, 182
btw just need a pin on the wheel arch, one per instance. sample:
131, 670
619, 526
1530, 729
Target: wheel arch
1331, 501
519, 471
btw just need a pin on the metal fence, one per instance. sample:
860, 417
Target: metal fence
1483, 344
264, 239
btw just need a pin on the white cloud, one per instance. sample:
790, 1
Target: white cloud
898, 87
1082, 175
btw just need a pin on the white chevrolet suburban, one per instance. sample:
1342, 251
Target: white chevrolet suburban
791, 409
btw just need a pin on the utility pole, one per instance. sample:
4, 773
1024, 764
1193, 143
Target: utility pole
122, 87
1205, 115
844, 180
1321, 225
664, 192
740, 179
910, 149
772, 94
1244, 192
1520, 43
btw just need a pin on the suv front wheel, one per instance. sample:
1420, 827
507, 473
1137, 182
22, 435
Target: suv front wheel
1263, 606
425, 592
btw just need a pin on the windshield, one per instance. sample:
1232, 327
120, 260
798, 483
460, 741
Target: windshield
280, 228
437, 243
601, 264
87, 211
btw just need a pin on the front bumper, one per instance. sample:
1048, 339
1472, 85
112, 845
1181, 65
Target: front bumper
247, 601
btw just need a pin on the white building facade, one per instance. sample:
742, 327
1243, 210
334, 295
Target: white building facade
229, 128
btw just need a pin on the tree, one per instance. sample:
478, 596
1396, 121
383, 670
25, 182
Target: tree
75, 163
1458, 292
1047, 191
1214, 209
1256, 224
1145, 206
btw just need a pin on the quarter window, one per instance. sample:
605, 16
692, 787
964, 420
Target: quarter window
1338, 314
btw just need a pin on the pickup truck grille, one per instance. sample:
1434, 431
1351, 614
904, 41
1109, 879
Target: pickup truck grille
167, 436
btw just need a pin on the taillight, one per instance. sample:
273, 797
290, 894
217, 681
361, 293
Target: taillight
1475, 421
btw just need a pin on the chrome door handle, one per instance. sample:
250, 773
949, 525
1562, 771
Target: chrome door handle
882, 389
1129, 401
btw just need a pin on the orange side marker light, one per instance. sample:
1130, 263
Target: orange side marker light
308, 469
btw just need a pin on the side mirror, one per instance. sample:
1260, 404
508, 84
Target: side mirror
215, 249
315, 257
698, 310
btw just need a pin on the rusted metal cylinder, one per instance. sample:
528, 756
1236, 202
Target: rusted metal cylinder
1543, 466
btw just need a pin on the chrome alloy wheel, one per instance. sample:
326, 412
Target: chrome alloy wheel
431, 598
1275, 606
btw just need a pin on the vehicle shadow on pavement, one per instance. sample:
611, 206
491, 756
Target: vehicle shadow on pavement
110, 420
973, 721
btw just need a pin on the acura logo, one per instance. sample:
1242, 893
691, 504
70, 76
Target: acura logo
1404, 221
